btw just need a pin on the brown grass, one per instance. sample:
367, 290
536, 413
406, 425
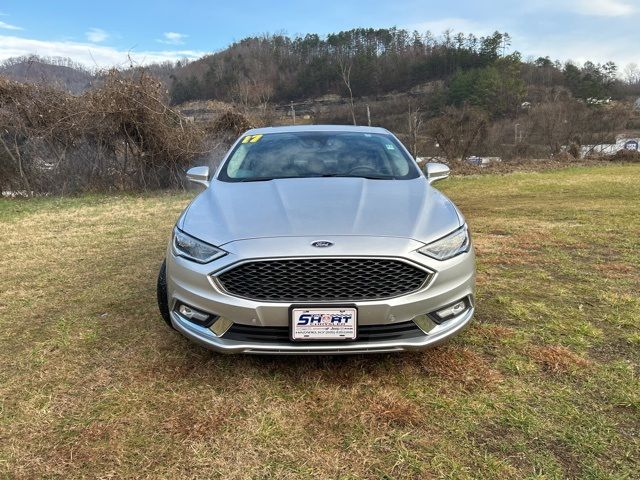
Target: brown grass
94, 385
390, 409
460, 366
557, 359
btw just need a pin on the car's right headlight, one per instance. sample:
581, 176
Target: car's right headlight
193, 249
447, 247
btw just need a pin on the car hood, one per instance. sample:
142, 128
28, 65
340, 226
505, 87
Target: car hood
304, 207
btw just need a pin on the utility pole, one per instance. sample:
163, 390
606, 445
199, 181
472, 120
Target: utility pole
293, 114
368, 115
516, 138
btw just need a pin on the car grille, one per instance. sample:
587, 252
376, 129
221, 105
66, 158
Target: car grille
322, 279
366, 333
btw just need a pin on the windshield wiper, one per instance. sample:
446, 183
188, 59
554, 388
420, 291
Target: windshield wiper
368, 177
257, 179
326, 175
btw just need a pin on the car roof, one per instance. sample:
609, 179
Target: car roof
317, 128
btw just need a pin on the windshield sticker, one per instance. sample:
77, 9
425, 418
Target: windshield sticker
390, 147
251, 138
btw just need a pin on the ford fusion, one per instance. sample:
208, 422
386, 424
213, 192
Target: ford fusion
318, 240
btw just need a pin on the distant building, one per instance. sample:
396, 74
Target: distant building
622, 143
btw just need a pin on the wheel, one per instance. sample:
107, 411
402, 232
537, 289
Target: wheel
163, 303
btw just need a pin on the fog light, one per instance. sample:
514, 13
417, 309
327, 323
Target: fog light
193, 314
452, 310
424, 322
221, 326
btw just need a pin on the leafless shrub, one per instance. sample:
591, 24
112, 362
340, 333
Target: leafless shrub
120, 135
625, 156
233, 122
574, 150
568, 122
223, 131
458, 131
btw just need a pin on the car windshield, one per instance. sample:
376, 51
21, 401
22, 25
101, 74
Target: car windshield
318, 154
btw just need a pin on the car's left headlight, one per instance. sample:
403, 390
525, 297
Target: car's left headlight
447, 247
193, 249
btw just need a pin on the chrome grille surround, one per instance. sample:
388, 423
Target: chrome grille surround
322, 279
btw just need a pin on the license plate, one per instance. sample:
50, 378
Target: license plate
338, 323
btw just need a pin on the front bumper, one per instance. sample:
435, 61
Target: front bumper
208, 339
192, 284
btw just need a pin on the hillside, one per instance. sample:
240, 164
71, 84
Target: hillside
274, 69
448, 97
480, 70
57, 72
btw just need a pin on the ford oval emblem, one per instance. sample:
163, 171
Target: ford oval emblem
322, 244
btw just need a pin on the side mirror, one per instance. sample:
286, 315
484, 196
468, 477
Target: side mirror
199, 175
436, 171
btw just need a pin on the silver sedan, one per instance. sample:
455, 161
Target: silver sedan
318, 240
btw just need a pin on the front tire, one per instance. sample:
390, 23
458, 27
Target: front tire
161, 290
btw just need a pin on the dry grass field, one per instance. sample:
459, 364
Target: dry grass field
544, 384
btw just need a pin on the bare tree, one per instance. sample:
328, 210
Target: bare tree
555, 123
458, 131
632, 73
571, 124
415, 126
263, 93
345, 63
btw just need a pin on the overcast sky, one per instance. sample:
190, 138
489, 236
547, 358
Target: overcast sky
106, 33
